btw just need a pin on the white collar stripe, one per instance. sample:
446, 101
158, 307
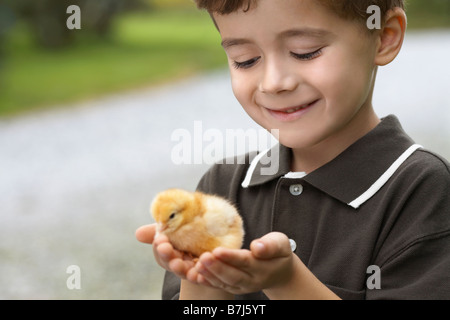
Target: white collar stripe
295, 175
384, 178
252, 168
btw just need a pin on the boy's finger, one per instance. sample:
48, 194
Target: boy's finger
240, 259
146, 233
165, 252
180, 267
270, 246
217, 273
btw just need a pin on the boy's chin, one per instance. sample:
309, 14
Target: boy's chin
292, 137
293, 141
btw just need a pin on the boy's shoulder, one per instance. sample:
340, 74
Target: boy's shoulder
417, 204
430, 160
426, 164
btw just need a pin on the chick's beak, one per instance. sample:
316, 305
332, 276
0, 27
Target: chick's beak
161, 227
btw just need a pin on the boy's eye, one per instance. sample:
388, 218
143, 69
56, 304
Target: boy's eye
304, 57
246, 64
307, 56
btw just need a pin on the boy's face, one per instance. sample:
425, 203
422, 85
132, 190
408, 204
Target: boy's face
300, 68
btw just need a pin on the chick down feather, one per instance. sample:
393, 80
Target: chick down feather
196, 222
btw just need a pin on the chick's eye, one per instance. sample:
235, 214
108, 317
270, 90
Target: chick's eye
172, 215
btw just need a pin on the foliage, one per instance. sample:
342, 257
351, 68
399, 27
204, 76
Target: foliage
46, 19
171, 4
147, 48
428, 13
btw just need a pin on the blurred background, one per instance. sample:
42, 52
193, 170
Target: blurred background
86, 118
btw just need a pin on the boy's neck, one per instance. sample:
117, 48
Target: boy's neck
312, 158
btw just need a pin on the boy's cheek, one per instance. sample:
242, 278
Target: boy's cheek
242, 89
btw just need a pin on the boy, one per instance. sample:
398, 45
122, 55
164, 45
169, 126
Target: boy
356, 209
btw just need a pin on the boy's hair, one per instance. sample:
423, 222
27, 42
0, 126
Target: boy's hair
347, 9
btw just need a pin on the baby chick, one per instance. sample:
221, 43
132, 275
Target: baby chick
197, 222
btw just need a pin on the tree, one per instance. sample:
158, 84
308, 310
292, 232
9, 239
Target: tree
47, 18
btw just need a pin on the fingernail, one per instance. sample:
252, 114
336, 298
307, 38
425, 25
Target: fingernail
200, 268
259, 246
208, 261
164, 256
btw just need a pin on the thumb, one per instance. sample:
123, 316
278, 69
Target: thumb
146, 233
270, 246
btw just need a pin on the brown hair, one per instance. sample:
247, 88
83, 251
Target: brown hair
347, 9
224, 6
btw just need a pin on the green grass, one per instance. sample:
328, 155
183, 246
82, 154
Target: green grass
146, 49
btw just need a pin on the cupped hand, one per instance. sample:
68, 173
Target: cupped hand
269, 263
165, 254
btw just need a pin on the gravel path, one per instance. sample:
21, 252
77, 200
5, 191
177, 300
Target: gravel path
76, 183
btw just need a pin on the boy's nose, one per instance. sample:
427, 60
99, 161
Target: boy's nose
278, 77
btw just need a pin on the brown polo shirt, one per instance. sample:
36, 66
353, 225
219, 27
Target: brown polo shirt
374, 223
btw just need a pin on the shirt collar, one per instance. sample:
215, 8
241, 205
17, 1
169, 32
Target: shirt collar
352, 177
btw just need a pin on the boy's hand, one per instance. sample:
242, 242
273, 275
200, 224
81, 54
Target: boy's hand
268, 264
166, 256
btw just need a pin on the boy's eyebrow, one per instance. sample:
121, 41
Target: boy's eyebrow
306, 32
303, 32
226, 43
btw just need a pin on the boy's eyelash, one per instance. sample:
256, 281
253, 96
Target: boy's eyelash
307, 56
304, 57
246, 64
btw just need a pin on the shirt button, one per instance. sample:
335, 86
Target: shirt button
296, 189
293, 245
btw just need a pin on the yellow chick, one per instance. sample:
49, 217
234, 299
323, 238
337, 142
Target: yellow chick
197, 222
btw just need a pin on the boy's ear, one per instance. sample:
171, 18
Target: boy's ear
391, 37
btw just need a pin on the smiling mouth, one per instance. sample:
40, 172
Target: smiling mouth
292, 110
296, 109
292, 113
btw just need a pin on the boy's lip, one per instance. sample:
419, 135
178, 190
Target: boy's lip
291, 113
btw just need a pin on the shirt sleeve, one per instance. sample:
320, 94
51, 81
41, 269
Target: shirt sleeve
414, 260
420, 272
171, 287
